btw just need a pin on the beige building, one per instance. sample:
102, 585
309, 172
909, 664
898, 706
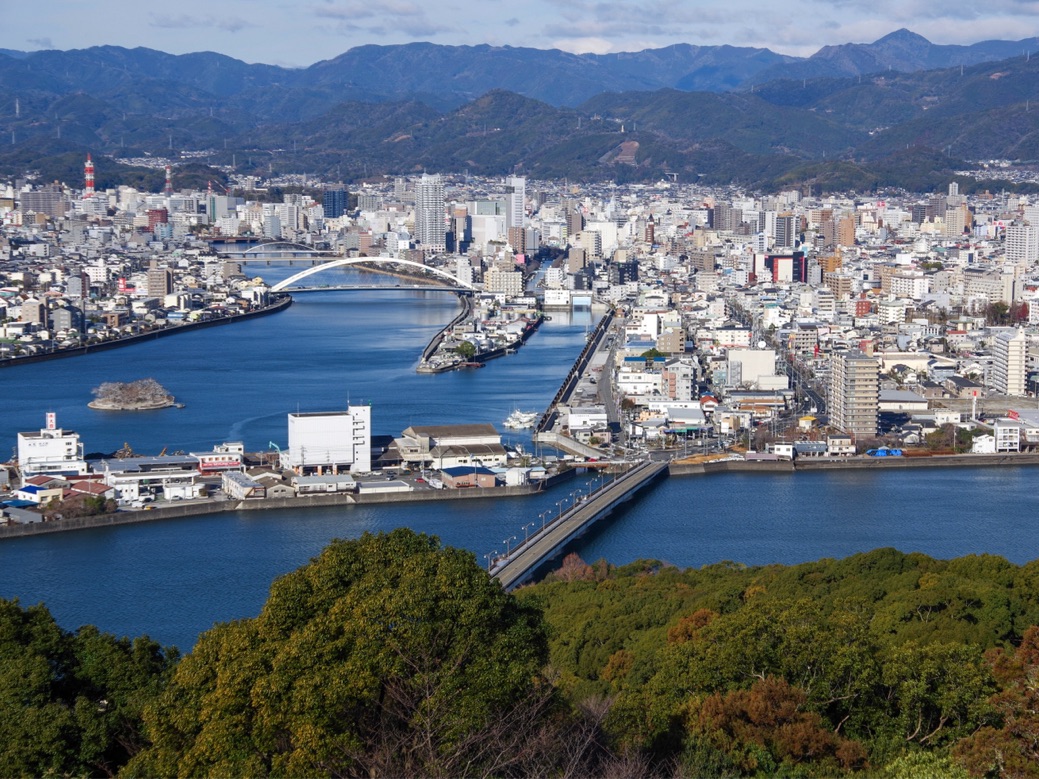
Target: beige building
854, 394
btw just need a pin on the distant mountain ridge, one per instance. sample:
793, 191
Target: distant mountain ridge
448, 76
399, 109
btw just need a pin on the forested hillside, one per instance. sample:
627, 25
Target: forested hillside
392, 656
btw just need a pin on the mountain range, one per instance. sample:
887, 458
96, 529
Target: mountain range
889, 113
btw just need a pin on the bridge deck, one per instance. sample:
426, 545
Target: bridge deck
517, 567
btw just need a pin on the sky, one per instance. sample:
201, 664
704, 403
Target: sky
300, 32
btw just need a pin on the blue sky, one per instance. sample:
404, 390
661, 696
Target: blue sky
299, 33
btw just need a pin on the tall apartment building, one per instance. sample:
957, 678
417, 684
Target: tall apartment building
786, 235
1009, 367
334, 203
159, 280
49, 200
1022, 243
430, 229
515, 199
854, 393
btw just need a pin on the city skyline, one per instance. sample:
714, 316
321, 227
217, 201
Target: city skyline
299, 35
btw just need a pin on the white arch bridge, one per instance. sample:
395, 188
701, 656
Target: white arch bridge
286, 284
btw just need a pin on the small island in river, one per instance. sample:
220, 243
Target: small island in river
140, 395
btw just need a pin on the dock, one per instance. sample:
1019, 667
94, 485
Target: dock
520, 561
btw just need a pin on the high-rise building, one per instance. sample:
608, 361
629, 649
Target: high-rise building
1022, 243
430, 230
786, 237
854, 393
49, 200
159, 280
334, 203
1009, 368
515, 201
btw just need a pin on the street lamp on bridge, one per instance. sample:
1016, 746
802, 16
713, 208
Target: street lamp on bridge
491, 558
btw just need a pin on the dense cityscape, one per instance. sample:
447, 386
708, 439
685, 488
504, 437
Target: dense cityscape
735, 332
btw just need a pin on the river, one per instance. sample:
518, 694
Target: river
174, 579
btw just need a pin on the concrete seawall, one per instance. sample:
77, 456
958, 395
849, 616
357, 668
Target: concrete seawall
184, 510
853, 464
938, 461
730, 466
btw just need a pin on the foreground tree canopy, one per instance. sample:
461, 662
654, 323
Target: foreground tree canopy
392, 656
71, 703
384, 656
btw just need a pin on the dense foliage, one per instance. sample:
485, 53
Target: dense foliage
817, 669
71, 703
392, 656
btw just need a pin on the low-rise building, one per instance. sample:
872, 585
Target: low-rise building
50, 451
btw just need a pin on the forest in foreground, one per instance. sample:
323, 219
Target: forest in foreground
390, 655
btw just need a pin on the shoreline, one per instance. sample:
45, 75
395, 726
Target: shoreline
282, 302
103, 405
675, 469
808, 465
183, 510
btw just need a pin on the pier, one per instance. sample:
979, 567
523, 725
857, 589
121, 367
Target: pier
520, 560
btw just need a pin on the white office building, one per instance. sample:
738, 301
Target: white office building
330, 442
50, 451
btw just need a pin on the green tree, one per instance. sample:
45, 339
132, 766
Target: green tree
466, 350
386, 655
71, 704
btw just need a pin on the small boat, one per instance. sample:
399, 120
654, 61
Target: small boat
521, 420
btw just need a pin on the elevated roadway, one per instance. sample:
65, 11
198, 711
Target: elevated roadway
519, 564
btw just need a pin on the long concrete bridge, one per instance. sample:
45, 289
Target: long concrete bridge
380, 288
274, 249
521, 560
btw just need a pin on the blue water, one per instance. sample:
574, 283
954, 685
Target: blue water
174, 579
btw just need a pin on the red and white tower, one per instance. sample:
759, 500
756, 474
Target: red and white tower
88, 175
169, 181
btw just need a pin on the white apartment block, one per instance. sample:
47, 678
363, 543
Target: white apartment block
1009, 364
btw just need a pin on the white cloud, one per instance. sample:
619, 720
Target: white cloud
583, 45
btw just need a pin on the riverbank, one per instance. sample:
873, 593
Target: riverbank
183, 510
676, 468
280, 303
679, 468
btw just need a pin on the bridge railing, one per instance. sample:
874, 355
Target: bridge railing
497, 563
